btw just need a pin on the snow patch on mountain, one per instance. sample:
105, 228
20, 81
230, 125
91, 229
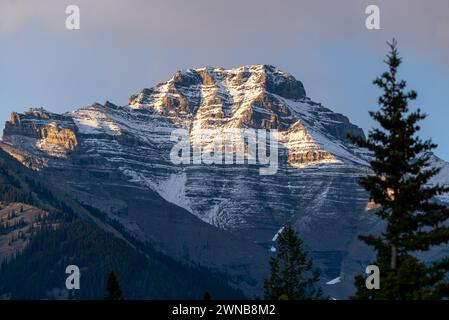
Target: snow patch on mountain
210, 216
172, 189
307, 111
91, 120
442, 178
276, 236
334, 281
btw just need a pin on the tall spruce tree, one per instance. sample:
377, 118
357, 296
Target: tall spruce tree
114, 292
400, 187
292, 274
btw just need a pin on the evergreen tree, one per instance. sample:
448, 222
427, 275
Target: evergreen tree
292, 274
207, 296
114, 292
400, 187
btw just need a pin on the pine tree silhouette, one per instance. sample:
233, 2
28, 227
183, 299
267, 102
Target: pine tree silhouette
207, 296
400, 187
114, 292
292, 274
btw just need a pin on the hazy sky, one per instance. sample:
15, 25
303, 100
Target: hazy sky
124, 46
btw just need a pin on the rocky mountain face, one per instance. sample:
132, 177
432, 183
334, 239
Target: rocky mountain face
117, 159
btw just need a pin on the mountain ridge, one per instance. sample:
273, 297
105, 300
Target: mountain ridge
102, 154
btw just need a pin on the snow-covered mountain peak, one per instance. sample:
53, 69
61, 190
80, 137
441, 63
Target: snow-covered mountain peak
250, 79
252, 96
101, 148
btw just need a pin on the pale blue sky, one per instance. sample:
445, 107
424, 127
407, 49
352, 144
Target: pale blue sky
124, 46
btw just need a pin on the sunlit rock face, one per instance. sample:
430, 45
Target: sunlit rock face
36, 135
97, 150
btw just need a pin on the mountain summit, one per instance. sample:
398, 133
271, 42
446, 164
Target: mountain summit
115, 158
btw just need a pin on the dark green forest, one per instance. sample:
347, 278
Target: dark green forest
66, 239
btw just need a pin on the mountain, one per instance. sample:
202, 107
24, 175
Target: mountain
42, 231
116, 159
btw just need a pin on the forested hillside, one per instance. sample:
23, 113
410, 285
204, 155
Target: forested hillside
62, 238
